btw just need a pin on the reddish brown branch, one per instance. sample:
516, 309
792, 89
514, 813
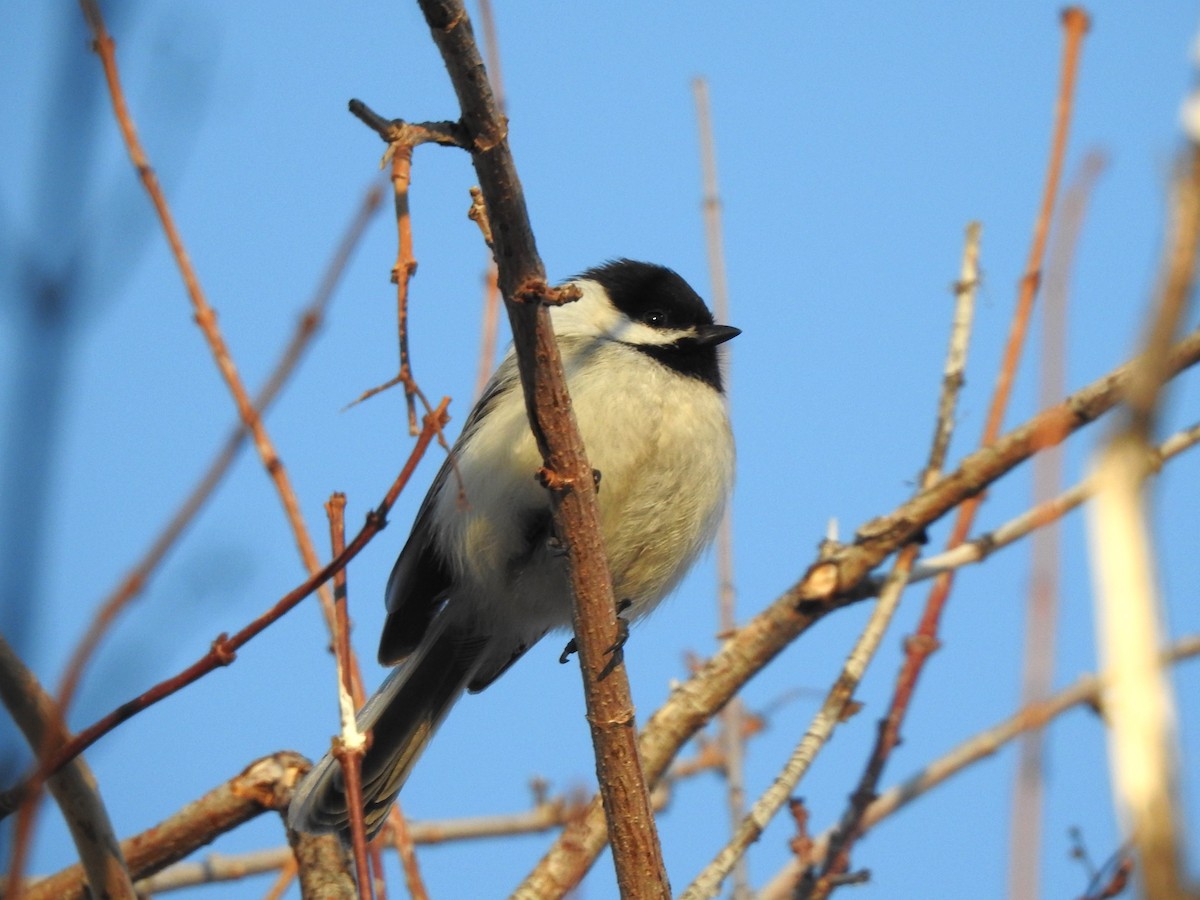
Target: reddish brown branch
350, 746
308, 324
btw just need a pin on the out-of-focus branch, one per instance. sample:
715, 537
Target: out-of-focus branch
491, 289
74, 788
1139, 699
829, 584
264, 785
1041, 618
732, 714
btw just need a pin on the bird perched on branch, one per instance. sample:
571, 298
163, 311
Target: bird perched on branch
483, 576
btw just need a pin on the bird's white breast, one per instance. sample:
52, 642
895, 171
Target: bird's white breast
665, 453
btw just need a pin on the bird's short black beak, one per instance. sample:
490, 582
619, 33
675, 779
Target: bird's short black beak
711, 335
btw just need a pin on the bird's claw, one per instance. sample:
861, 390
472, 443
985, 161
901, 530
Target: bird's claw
615, 653
571, 647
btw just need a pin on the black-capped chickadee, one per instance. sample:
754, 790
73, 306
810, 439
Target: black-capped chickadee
483, 578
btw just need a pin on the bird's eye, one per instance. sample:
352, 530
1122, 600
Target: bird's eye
655, 318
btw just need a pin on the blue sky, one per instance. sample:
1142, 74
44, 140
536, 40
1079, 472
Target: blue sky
854, 142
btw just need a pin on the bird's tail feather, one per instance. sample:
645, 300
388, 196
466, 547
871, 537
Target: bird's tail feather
403, 715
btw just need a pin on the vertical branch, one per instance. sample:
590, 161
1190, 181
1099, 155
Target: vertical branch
924, 643
491, 288
350, 746
1139, 704
405, 848
1025, 828
732, 732
403, 270
637, 854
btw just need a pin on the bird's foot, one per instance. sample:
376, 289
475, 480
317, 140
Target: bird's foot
615, 653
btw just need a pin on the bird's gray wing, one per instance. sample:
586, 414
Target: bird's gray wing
421, 577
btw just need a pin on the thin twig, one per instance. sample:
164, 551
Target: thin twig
224, 648
980, 548
403, 270
404, 840
925, 642
351, 744
489, 331
636, 852
834, 710
308, 324
491, 297
1025, 828
731, 715
205, 316
1086, 691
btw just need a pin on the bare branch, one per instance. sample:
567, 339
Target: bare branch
308, 324
924, 643
264, 785
1025, 829
732, 714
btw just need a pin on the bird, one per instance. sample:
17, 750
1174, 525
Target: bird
483, 575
